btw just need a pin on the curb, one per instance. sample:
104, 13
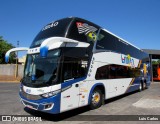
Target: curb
9, 81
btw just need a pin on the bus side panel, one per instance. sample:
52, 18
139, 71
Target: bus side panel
113, 87
134, 85
70, 97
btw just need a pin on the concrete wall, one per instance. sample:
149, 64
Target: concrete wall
20, 70
10, 69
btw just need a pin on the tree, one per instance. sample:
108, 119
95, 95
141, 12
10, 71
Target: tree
4, 47
158, 61
154, 62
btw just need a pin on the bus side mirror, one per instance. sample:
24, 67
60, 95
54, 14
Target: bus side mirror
14, 50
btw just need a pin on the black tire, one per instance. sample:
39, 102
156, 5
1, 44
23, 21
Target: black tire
141, 87
145, 85
96, 99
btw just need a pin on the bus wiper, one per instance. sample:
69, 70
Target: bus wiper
42, 82
47, 83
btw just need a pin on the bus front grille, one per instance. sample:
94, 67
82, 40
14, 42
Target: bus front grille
29, 96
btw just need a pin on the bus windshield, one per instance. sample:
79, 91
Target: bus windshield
40, 71
54, 29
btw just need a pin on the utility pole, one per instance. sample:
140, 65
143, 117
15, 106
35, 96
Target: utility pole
16, 70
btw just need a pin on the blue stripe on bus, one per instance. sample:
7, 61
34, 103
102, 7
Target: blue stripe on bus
134, 86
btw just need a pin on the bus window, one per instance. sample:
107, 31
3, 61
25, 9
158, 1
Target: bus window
53, 29
106, 41
102, 72
116, 71
83, 32
73, 68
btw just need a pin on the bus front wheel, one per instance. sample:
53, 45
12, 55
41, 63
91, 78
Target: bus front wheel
96, 99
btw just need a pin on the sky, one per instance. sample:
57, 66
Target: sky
136, 21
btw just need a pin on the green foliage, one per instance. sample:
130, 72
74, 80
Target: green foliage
154, 62
158, 61
4, 47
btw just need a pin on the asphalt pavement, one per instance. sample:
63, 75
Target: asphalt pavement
144, 105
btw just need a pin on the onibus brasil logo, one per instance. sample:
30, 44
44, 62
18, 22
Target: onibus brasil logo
127, 59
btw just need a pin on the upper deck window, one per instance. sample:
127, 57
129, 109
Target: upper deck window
83, 31
106, 41
53, 29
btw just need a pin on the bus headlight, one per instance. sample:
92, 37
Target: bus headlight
20, 88
49, 94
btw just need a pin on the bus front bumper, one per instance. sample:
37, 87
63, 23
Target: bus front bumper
49, 105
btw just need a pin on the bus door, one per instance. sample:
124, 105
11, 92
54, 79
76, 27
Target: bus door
70, 96
72, 73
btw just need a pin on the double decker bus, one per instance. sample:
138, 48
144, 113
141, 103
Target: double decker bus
73, 62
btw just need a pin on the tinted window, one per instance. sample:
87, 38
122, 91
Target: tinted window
73, 68
83, 31
117, 71
54, 29
107, 41
102, 72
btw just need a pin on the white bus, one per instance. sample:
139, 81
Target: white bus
73, 63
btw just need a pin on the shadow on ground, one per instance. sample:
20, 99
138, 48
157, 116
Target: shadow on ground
59, 117
70, 115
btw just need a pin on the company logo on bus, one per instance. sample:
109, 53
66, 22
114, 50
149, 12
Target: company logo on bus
53, 24
28, 91
127, 59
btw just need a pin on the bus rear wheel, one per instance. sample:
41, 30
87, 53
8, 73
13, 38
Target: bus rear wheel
140, 87
145, 85
96, 99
